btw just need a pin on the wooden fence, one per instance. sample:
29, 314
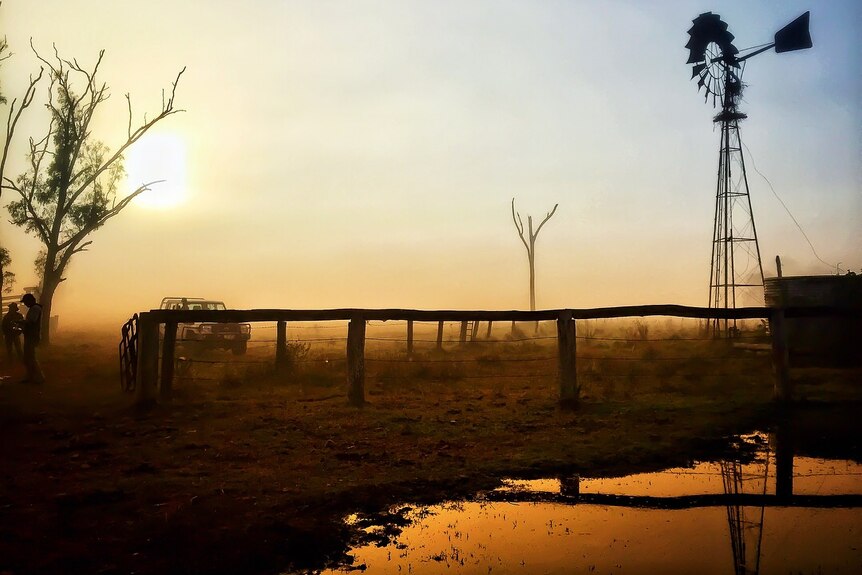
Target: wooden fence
153, 381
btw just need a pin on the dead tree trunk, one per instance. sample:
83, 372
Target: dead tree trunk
530, 244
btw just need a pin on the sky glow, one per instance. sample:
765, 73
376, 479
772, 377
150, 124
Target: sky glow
365, 153
161, 158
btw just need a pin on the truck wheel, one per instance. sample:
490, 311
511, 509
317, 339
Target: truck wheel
240, 348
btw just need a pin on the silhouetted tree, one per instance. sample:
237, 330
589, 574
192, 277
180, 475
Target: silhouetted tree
530, 245
70, 188
7, 278
15, 110
4, 55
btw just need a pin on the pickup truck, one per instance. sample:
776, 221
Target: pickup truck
232, 336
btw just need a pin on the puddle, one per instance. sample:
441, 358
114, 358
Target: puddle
768, 515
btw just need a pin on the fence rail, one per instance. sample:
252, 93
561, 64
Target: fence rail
151, 379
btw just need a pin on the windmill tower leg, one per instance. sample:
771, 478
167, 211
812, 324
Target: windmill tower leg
745, 523
736, 272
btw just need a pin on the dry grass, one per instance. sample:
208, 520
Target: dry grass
252, 463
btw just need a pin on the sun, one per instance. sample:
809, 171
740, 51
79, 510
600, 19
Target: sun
158, 156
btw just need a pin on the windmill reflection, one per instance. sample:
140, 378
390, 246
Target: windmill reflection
745, 524
676, 520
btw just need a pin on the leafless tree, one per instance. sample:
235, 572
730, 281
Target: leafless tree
70, 187
7, 278
15, 110
530, 243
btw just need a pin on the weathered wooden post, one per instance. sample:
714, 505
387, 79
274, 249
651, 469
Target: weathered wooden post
567, 346
783, 389
169, 345
488, 334
475, 331
440, 335
356, 360
148, 359
409, 337
281, 345
783, 460
570, 485
463, 336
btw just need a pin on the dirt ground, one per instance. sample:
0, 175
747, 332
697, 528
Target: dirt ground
253, 472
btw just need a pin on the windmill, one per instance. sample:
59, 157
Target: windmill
736, 272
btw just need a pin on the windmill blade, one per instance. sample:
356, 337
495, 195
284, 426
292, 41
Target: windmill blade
696, 54
794, 36
699, 20
707, 29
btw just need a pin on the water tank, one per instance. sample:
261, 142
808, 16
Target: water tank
820, 340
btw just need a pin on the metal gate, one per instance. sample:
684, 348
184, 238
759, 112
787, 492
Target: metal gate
129, 354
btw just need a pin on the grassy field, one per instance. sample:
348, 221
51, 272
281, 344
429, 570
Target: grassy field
251, 470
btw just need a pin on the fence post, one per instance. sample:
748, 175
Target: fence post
783, 389
567, 346
488, 335
356, 360
169, 345
473, 336
148, 360
280, 345
439, 335
463, 336
409, 337
783, 460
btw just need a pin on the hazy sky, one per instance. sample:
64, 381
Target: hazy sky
365, 153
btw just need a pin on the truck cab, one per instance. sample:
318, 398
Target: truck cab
232, 336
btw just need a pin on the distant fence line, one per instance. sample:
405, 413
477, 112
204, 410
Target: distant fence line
153, 381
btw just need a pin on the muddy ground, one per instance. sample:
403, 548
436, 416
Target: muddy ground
253, 472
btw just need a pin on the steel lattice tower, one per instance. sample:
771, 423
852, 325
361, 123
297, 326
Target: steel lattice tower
736, 271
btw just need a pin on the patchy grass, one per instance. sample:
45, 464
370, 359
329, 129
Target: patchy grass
251, 470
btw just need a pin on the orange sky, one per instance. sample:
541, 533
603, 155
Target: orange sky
365, 153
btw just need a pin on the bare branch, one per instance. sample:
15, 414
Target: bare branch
129, 128
547, 217
519, 225
116, 209
38, 151
167, 110
82, 247
12, 119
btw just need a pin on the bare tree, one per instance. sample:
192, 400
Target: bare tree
70, 188
7, 278
15, 110
530, 245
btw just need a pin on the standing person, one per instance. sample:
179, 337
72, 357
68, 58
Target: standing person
12, 333
32, 326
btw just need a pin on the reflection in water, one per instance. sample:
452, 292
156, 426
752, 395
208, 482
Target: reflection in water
745, 524
780, 516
